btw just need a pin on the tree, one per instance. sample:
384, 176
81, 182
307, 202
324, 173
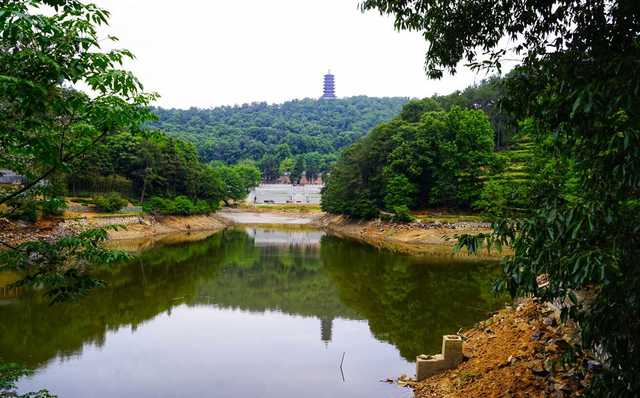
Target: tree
399, 191
269, 166
237, 179
437, 160
48, 45
412, 110
44, 125
249, 173
297, 170
313, 162
261, 132
579, 82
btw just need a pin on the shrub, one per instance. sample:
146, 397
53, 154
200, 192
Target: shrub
402, 214
53, 206
183, 206
23, 209
110, 202
180, 205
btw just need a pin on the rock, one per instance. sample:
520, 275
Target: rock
594, 365
404, 380
549, 321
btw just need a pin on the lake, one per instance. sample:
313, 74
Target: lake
248, 312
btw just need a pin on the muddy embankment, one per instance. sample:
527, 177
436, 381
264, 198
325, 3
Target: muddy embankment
140, 231
143, 229
417, 238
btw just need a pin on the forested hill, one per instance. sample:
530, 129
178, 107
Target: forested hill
251, 131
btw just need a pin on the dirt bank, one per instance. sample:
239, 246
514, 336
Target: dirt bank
153, 226
512, 354
433, 238
136, 226
418, 238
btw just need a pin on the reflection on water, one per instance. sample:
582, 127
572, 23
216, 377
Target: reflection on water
247, 312
278, 237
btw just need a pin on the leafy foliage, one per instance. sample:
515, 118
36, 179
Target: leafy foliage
579, 81
437, 160
297, 170
62, 267
238, 179
48, 46
10, 373
111, 202
180, 205
270, 134
43, 124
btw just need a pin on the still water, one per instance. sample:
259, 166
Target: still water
247, 312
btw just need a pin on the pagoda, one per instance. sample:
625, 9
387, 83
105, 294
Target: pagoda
329, 87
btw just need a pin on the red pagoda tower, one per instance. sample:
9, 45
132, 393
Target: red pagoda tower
329, 87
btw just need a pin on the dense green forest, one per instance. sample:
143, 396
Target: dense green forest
153, 164
435, 161
438, 152
277, 135
307, 133
162, 173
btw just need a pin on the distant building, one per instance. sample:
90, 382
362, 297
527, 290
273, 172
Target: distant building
9, 177
285, 193
329, 87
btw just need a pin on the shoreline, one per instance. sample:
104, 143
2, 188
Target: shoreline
135, 227
417, 238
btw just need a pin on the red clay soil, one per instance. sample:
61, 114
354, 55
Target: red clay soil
512, 354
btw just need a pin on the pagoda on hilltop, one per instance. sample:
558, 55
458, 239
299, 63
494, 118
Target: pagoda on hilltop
329, 87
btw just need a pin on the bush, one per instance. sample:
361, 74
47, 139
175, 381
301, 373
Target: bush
23, 209
402, 214
111, 202
183, 206
180, 205
53, 206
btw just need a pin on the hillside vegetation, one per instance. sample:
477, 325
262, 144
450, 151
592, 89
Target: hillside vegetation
438, 152
277, 135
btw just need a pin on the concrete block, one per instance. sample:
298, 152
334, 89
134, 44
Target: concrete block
451, 356
452, 349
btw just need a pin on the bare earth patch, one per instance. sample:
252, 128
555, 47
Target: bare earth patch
512, 354
421, 238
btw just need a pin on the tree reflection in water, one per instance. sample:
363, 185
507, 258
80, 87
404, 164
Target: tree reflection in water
408, 302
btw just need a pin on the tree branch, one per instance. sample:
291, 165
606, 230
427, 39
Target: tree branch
50, 171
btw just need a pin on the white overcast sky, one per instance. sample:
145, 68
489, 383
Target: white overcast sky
224, 52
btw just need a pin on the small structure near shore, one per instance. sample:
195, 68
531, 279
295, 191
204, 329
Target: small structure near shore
451, 356
285, 193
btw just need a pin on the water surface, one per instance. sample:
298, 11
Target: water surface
249, 312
